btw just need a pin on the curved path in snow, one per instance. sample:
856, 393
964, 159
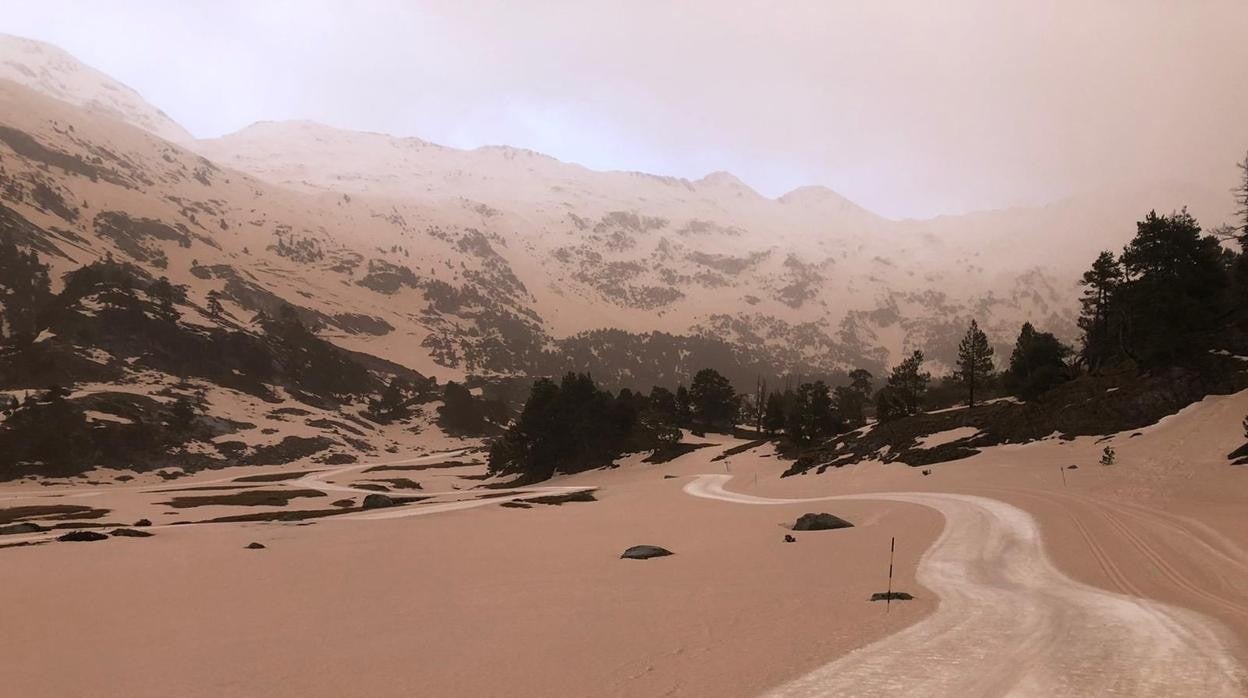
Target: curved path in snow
1010, 623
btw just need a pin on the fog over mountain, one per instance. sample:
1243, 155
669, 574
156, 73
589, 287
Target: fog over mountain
911, 109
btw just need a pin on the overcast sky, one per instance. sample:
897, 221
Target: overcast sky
909, 108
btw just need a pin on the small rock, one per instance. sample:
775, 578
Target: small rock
131, 533
23, 527
377, 501
927, 471
143, 522
789, 539
343, 503
820, 522
645, 552
891, 595
254, 546
669, 477
82, 536
1072, 467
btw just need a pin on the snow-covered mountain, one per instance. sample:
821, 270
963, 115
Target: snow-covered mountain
54, 72
499, 260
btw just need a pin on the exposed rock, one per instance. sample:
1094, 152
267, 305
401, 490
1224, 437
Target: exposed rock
645, 552
254, 546
820, 522
82, 536
789, 539
891, 595
23, 527
131, 533
143, 522
515, 504
343, 503
377, 501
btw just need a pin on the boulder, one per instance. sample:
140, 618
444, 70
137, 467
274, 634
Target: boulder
820, 522
143, 522
131, 533
23, 527
377, 501
645, 552
254, 546
82, 536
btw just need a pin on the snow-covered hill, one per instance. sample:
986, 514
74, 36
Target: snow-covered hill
503, 261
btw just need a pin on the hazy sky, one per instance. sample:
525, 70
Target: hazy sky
909, 108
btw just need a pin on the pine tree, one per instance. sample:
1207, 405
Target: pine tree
974, 360
908, 383
1037, 363
1102, 282
773, 414
712, 398
1241, 203
851, 400
684, 411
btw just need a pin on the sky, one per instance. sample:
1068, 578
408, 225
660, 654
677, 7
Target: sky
911, 109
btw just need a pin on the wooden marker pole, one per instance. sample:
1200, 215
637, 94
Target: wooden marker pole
892, 549
1063, 469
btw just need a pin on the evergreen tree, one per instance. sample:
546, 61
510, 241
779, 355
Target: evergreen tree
1241, 203
773, 413
908, 383
663, 404
1101, 282
851, 400
974, 361
24, 291
461, 412
890, 404
811, 416
684, 410
1037, 364
1176, 281
712, 399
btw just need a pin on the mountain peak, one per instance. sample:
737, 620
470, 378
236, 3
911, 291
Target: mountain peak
724, 180
54, 72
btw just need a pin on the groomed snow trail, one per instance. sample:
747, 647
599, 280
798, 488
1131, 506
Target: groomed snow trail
1009, 623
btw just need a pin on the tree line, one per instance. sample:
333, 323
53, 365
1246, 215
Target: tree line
1171, 296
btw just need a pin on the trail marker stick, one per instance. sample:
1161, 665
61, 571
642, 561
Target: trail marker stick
888, 599
1063, 469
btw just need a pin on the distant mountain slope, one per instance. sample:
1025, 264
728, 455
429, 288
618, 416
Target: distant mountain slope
499, 260
56, 73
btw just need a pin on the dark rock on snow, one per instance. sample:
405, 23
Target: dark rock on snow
891, 595
255, 546
82, 536
789, 539
820, 522
131, 533
143, 522
645, 552
377, 501
23, 527
343, 503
